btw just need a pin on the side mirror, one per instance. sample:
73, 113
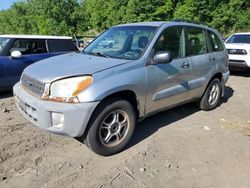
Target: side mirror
16, 54
162, 57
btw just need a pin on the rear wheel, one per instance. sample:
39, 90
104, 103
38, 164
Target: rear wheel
212, 95
111, 127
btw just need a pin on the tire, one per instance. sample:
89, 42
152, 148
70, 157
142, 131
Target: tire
111, 127
212, 95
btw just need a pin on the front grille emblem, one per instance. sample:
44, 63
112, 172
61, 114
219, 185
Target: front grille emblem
232, 51
30, 83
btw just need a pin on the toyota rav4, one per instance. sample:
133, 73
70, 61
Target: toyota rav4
99, 94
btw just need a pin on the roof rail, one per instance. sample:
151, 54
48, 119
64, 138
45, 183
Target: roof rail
188, 21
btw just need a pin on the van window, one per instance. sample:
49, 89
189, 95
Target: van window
57, 45
196, 42
28, 46
171, 40
3, 43
215, 42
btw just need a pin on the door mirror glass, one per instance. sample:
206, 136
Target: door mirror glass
162, 57
16, 54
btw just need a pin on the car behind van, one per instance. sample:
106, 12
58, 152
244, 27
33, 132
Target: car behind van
19, 51
98, 95
238, 47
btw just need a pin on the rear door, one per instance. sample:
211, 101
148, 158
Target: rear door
202, 61
167, 84
32, 50
217, 48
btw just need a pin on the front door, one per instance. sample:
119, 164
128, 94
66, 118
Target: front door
168, 84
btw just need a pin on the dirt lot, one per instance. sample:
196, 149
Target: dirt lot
183, 147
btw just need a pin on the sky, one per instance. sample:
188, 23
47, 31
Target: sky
4, 4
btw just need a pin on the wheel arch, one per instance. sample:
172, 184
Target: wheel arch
127, 95
217, 75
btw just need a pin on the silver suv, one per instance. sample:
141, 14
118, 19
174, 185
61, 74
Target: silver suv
99, 94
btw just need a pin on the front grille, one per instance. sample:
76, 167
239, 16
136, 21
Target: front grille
29, 112
33, 85
237, 51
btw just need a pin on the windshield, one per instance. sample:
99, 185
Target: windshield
124, 42
239, 39
3, 43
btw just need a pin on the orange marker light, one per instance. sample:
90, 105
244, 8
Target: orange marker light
83, 85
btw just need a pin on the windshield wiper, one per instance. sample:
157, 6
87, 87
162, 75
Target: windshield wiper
101, 54
97, 54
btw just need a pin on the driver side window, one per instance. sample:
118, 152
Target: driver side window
172, 40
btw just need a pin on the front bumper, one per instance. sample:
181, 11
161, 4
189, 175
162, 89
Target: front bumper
39, 112
239, 61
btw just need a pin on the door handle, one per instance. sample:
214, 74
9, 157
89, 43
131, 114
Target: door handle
185, 65
212, 59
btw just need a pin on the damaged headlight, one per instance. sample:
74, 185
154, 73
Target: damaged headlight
67, 90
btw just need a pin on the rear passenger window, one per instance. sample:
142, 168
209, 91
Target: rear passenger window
196, 41
58, 45
28, 46
171, 40
215, 42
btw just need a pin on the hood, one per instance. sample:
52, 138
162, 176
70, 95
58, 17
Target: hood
237, 46
72, 64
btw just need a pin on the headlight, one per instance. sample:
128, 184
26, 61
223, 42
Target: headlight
67, 90
244, 52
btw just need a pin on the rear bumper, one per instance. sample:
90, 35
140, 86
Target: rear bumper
39, 112
225, 78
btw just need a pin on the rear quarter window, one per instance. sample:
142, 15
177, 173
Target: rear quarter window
215, 42
61, 46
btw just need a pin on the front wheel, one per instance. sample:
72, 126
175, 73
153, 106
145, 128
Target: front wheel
212, 95
111, 127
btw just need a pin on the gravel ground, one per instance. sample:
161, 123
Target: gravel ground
182, 147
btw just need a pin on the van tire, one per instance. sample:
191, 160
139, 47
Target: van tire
212, 95
107, 120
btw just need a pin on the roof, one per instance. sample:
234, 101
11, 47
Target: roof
35, 37
156, 24
160, 23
